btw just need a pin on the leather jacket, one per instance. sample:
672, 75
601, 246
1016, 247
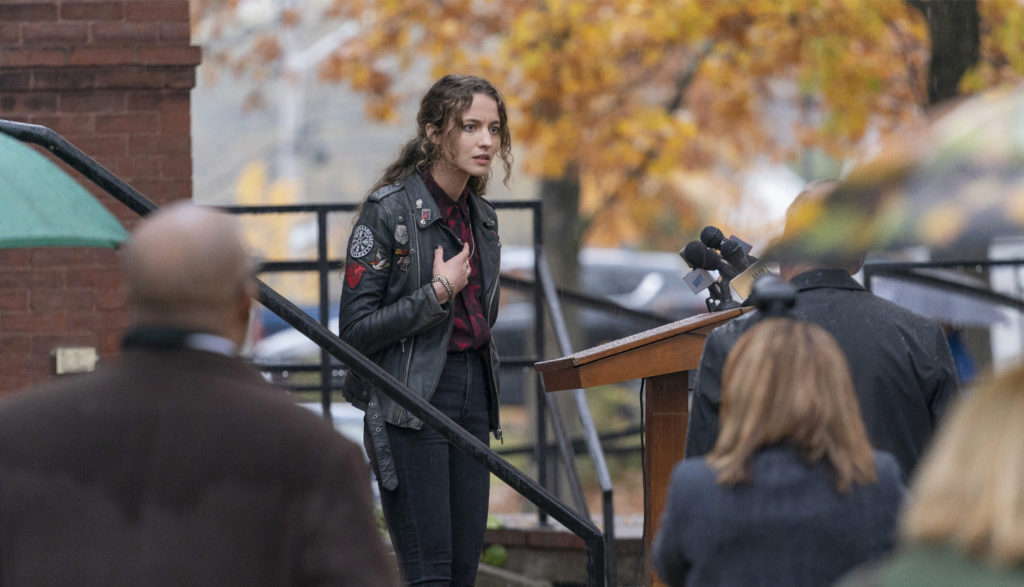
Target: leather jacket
389, 311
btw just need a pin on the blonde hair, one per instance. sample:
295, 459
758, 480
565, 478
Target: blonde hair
787, 381
969, 489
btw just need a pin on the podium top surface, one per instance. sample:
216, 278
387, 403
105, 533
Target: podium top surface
670, 348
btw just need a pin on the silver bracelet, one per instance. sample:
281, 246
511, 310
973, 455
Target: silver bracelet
448, 287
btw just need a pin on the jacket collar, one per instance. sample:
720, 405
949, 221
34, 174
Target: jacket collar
421, 201
481, 211
423, 204
163, 337
825, 278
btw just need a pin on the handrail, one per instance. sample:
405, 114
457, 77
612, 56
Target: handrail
321, 265
905, 271
590, 436
327, 340
87, 166
650, 319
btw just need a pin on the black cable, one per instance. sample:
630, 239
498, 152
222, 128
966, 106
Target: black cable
643, 483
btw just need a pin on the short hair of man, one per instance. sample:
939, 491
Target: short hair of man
969, 488
787, 381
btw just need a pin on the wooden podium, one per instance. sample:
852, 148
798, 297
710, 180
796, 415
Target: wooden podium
662, 357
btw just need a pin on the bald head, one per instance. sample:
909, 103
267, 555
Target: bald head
813, 195
188, 266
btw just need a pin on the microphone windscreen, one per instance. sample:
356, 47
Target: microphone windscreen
711, 236
733, 253
695, 255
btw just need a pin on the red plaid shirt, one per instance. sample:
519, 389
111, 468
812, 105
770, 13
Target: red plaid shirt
471, 328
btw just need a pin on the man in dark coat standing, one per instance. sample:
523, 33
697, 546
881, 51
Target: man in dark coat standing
901, 365
177, 464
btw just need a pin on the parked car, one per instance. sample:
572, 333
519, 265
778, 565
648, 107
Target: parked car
645, 281
346, 418
288, 345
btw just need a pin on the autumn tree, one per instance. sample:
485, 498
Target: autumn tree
618, 105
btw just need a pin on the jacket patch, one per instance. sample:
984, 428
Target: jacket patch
402, 234
354, 274
403, 262
362, 242
380, 262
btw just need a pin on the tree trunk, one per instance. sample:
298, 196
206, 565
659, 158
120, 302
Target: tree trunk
562, 234
956, 43
561, 230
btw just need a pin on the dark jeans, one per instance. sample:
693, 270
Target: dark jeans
438, 513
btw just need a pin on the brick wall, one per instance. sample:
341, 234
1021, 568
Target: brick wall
113, 77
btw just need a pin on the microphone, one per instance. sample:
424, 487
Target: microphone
734, 250
699, 256
698, 279
733, 253
711, 236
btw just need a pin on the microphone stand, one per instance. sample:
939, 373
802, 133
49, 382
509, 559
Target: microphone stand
720, 298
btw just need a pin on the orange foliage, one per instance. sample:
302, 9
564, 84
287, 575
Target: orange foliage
633, 92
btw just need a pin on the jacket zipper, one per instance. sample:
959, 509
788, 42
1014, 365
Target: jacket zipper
419, 277
490, 299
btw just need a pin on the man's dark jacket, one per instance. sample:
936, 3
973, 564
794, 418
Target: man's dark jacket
901, 365
180, 467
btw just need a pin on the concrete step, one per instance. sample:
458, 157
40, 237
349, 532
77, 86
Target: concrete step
555, 556
488, 576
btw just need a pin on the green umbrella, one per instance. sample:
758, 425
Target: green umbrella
42, 206
954, 183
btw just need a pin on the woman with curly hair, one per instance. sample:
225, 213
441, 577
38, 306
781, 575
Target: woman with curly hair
420, 295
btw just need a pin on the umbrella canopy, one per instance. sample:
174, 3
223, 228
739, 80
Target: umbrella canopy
42, 206
954, 183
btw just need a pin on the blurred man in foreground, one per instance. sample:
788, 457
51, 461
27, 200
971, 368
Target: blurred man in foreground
900, 362
176, 464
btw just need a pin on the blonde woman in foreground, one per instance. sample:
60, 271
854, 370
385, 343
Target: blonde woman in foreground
964, 522
792, 492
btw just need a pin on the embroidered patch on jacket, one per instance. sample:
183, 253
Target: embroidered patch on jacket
362, 242
354, 274
403, 261
380, 262
402, 234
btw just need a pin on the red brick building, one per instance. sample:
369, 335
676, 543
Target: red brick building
113, 77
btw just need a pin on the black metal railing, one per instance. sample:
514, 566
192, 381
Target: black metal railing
908, 271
